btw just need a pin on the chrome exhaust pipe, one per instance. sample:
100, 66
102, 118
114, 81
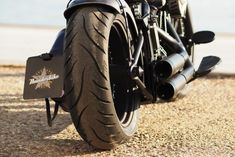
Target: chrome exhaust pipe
171, 88
171, 65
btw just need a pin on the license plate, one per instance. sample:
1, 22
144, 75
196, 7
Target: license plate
44, 78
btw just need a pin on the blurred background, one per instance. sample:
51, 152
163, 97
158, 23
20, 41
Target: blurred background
29, 27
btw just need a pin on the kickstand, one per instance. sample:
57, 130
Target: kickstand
48, 111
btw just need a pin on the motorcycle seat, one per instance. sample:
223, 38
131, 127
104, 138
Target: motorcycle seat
157, 3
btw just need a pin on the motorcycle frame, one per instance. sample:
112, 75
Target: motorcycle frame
152, 33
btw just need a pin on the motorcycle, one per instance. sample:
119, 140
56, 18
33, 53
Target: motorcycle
113, 56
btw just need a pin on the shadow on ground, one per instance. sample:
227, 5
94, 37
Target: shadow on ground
24, 131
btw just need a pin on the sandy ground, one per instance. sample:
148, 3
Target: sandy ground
201, 124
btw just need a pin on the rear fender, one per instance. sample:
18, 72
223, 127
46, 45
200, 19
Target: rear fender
119, 6
74, 4
58, 46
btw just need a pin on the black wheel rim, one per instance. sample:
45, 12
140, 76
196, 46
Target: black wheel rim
122, 86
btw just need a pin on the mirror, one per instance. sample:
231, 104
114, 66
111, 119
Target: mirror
203, 37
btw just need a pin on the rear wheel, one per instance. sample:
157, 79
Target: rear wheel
101, 97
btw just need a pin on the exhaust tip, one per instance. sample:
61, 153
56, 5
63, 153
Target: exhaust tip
166, 91
163, 70
170, 65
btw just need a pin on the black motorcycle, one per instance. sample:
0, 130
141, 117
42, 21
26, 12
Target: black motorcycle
112, 56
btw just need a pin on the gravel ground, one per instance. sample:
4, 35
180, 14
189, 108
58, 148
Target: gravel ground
201, 124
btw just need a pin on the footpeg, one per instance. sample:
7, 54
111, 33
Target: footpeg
203, 37
207, 65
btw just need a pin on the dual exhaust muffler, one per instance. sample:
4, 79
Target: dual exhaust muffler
175, 72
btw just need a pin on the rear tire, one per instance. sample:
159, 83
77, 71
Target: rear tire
104, 109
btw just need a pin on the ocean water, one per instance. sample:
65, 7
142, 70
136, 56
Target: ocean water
215, 15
